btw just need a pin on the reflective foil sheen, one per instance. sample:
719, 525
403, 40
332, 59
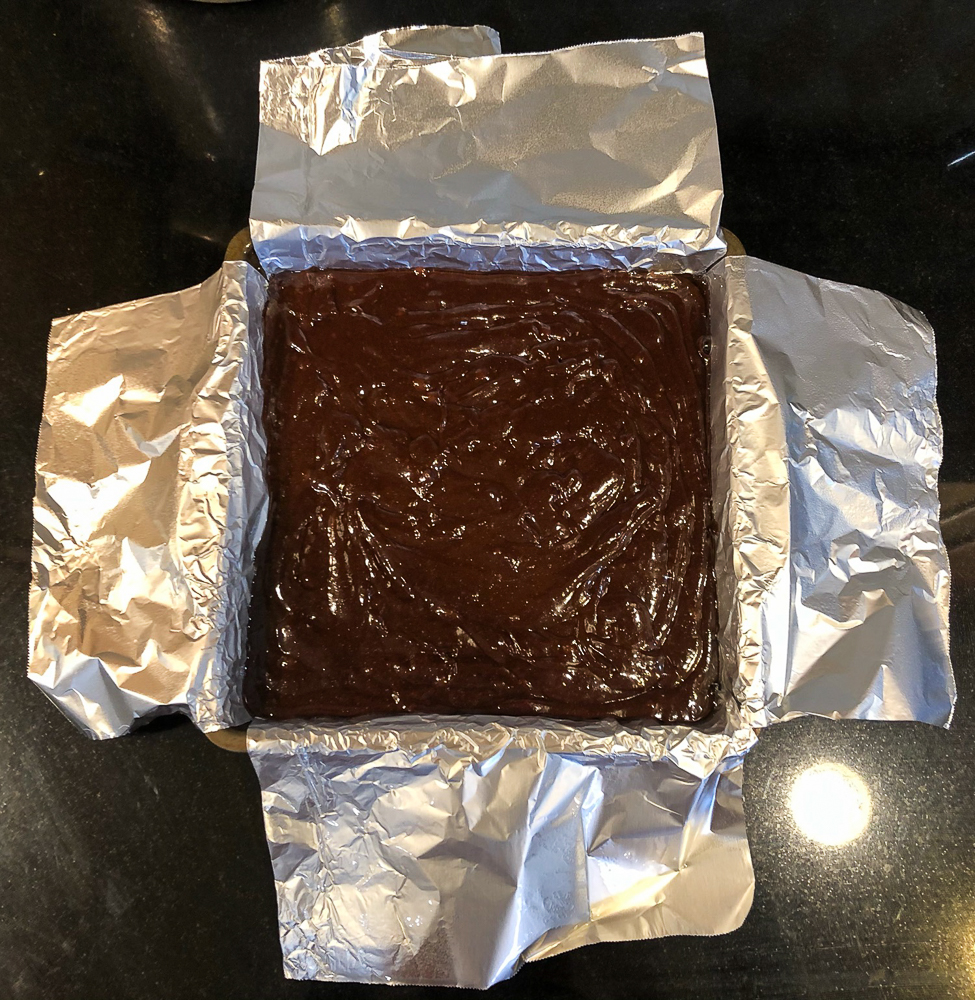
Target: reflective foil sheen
603, 154
449, 851
833, 448
150, 500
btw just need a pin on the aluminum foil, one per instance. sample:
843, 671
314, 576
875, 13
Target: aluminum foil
586, 156
288, 85
449, 851
150, 500
830, 467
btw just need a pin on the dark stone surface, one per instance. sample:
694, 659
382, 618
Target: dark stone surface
138, 867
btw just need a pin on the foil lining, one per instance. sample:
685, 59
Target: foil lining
832, 520
449, 851
590, 156
150, 500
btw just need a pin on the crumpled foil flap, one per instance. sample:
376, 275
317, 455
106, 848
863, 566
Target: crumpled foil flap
600, 154
449, 851
832, 445
150, 501
293, 80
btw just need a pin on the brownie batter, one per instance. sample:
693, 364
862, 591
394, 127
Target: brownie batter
490, 493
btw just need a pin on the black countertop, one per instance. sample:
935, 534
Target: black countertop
138, 867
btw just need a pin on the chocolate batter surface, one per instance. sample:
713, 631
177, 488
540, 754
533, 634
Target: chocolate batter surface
490, 493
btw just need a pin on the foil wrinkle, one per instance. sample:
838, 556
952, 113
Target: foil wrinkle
605, 153
150, 501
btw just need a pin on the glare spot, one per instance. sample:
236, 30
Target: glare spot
830, 804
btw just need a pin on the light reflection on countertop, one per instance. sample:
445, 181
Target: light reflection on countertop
830, 804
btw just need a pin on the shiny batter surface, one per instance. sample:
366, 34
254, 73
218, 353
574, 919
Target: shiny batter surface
490, 493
